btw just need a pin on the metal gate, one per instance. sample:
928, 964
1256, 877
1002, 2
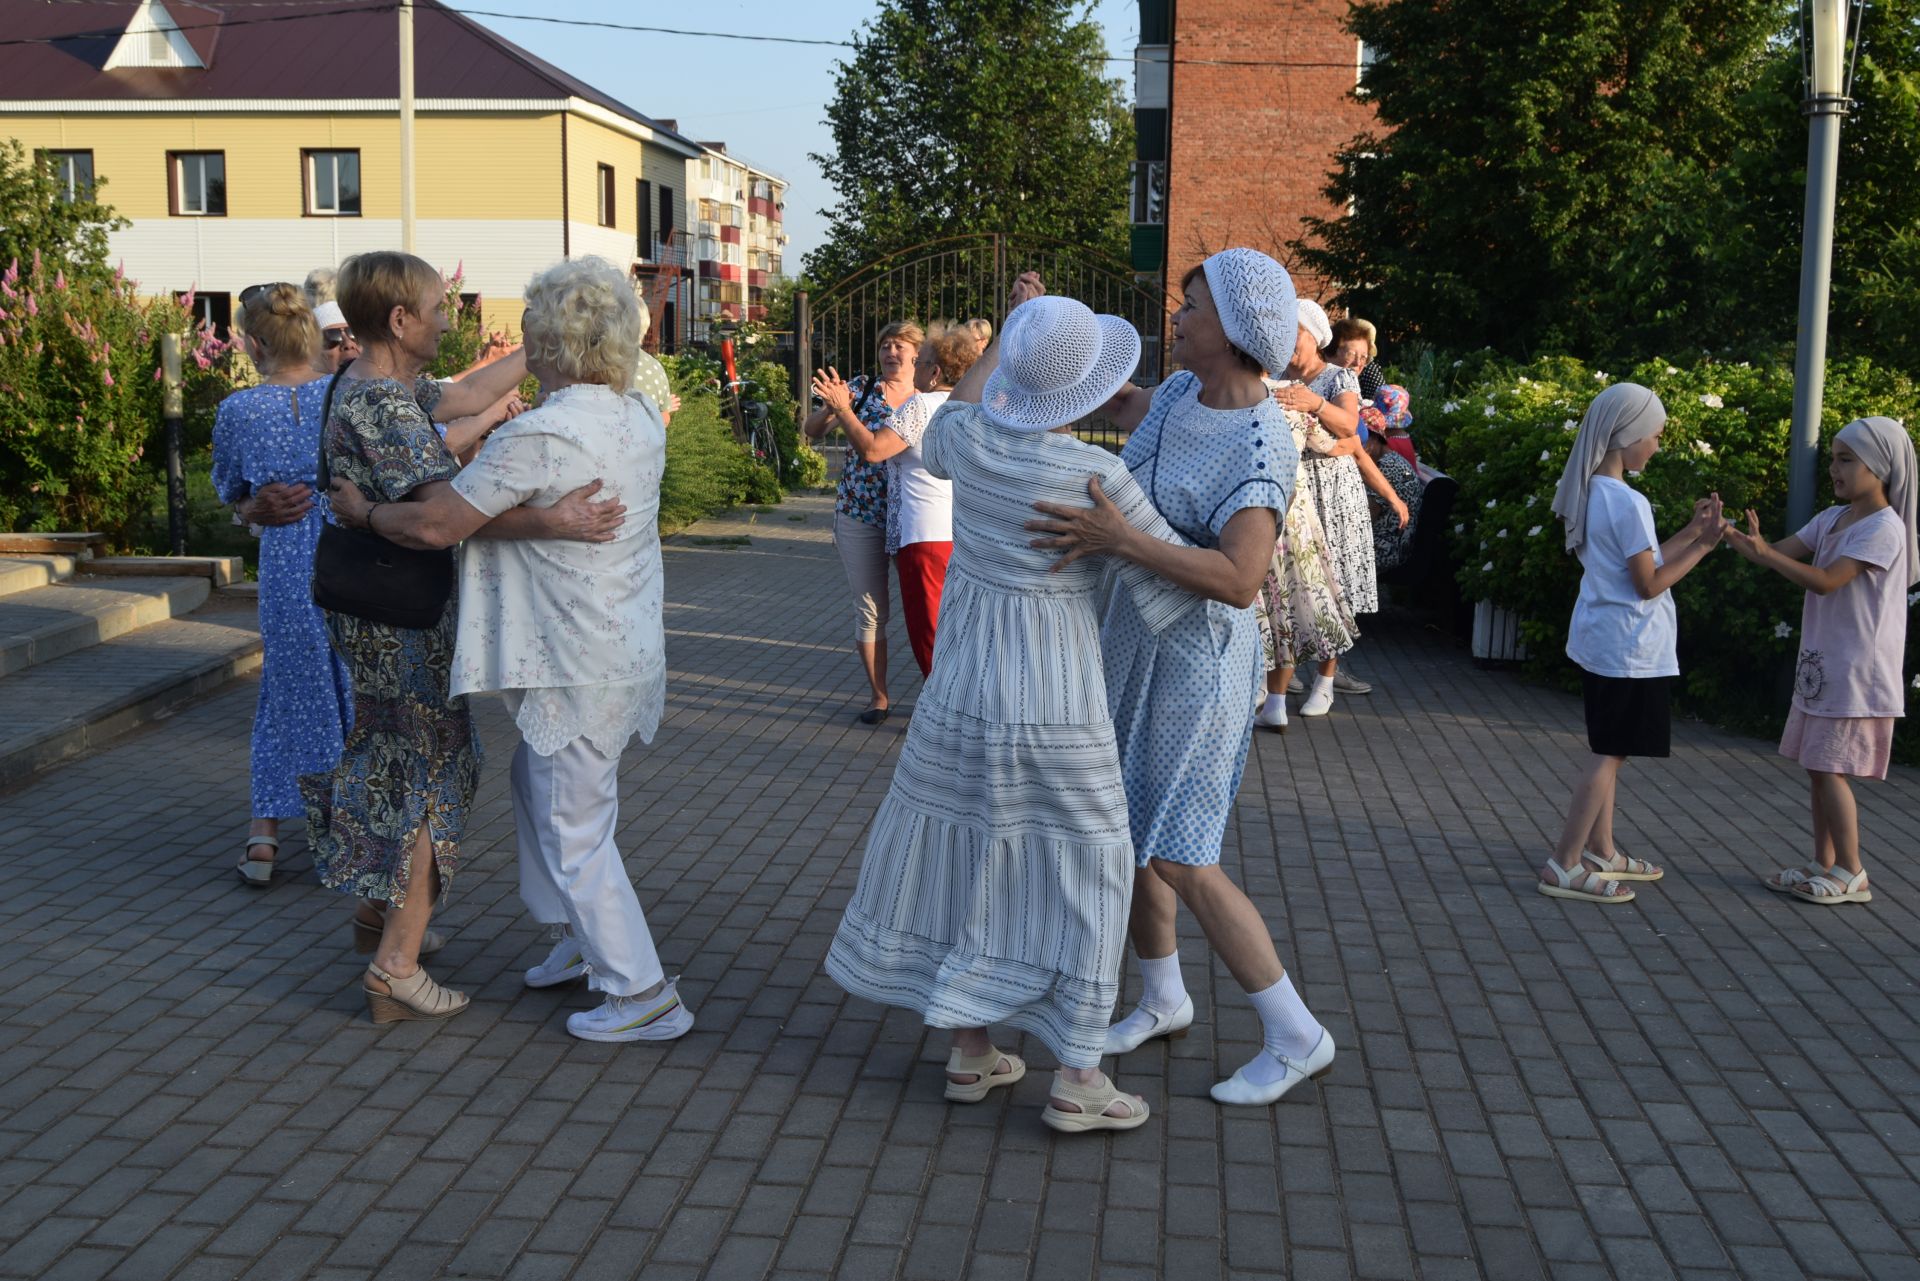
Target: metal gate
960, 277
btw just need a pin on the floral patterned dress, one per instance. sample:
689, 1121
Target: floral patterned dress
1340, 497
1301, 610
1392, 543
862, 491
262, 436
412, 756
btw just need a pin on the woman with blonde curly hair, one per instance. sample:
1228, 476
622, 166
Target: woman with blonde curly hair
569, 634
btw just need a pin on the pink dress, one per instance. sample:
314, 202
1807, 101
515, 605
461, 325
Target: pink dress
1846, 687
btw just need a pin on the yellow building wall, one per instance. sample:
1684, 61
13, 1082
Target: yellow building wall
477, 166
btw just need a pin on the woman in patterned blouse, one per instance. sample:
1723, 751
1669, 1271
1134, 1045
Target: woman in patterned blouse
860, 507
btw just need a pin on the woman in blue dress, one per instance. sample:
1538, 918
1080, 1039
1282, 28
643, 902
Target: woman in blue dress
1216, 457
270, 436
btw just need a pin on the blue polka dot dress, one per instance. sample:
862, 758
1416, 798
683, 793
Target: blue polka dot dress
261, 435
1182, 701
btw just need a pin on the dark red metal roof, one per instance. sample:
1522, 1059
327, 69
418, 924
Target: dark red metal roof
299, 49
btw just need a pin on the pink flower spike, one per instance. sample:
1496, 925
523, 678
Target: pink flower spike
60, 280
158, 374
12, 272
33, 308
107, 374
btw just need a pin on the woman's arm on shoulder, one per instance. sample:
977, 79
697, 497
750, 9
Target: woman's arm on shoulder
475, 391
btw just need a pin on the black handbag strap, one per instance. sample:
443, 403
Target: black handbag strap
866, 396
323, 475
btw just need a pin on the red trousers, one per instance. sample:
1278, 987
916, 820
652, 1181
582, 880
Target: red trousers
923, 571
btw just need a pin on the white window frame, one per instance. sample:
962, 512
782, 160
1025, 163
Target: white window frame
184, 194
311, 159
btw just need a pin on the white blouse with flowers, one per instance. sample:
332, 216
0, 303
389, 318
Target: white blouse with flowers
569, 632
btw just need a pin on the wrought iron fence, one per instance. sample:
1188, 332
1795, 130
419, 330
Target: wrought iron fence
962, 277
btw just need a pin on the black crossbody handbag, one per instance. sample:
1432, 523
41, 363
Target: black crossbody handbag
358, 573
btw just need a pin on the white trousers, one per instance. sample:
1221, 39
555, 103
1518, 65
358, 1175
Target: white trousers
566, 806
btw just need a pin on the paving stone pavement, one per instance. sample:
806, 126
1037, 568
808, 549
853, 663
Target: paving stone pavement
1712, 1082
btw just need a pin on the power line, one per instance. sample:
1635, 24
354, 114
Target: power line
388, 6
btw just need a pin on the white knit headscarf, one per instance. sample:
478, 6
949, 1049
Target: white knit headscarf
1884, 446
1618, 416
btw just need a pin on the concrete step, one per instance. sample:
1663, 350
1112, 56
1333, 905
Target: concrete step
63, 707
218, 570
44, 623
24, 573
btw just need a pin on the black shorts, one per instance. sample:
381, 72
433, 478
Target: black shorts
1628, 716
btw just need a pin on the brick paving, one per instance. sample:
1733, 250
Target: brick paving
1713, 1082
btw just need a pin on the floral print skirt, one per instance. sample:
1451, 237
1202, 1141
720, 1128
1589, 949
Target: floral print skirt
1301, 609
412, 757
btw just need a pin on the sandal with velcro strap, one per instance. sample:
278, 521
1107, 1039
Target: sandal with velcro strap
1629, 869
1833, 887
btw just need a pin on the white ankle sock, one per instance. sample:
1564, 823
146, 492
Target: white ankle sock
1164, 990
1288, 1027
1273, 701
1322, 685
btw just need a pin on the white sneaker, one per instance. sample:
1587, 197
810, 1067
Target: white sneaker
1272, 713
1139, 1030
1320, 702
1238, 1089
565, 963
631, 1018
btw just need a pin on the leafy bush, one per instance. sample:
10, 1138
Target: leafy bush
1504, 433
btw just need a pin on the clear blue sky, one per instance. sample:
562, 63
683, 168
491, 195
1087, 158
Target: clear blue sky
767, 102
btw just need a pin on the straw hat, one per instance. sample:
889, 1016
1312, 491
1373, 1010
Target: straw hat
1254, 296
1058, 363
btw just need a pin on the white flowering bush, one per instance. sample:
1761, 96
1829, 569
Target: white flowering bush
1503, 431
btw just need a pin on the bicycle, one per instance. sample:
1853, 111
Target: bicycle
751, 425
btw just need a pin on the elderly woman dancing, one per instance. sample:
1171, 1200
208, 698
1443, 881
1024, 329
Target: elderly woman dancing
1216, 457
570, 634
385, 824
994, 887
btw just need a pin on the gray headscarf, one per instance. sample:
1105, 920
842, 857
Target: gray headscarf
1884, 446
1618, 416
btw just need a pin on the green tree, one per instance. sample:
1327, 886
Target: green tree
1548, 174
34, 215
958, 116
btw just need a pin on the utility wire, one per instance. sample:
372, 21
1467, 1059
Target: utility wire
389, 6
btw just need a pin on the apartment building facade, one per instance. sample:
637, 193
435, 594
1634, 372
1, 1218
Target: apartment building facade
250, 151
741, 240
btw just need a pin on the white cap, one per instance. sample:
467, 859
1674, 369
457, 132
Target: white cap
328, 314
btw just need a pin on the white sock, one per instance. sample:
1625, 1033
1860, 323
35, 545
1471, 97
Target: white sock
1164, 990
1288, 1027
1274, 703
1323, 685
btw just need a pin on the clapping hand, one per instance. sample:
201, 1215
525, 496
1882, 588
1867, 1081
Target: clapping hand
1027, 285
1709, 519
1749, 544
832, 390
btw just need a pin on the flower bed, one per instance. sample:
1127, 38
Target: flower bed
1504, 431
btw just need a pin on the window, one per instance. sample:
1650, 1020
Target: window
643, 205
73, 170
198, 183
1367, 57
1149, 203
332, 180
604, 173
666, 213
215, 309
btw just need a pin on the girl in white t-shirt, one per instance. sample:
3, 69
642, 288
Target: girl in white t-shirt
1853, 635
1622, 634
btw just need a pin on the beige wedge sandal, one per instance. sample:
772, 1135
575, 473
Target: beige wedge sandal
1093, 1102
981, 1069
415, 997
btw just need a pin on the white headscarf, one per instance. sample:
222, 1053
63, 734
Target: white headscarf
1884, 446
1618, 416
1313, 319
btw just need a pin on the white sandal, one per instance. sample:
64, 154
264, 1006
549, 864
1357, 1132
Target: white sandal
1630, 869
257, 873
1788, 879
1834, 886
981, 1069
1599, 889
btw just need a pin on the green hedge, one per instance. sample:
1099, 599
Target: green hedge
1504, 430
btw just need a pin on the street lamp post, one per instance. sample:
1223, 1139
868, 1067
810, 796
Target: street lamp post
1824, 57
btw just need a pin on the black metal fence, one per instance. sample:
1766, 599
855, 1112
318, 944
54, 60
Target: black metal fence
962, 277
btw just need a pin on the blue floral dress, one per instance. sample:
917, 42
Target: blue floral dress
862, 492
1182, 700
264, 435
412, 756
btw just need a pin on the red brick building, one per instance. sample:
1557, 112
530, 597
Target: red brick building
1240, 106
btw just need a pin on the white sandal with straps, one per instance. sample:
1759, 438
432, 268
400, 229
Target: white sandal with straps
1630, 869
1833, 886
1787, 879
1566, 885
257, 873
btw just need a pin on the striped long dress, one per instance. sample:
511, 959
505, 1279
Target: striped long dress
999, 868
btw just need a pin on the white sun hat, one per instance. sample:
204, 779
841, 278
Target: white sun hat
1059, 362
1254, 296
1313, 319
328, 315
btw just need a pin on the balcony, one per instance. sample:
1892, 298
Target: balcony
711, 270
764, 209
730, 235
756, 279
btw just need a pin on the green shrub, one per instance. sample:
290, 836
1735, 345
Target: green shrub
1504, 433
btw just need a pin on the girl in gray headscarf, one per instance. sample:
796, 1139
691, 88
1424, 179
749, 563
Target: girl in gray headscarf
1853, 635
1622, 634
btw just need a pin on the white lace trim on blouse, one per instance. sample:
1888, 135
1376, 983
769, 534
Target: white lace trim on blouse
606, 715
